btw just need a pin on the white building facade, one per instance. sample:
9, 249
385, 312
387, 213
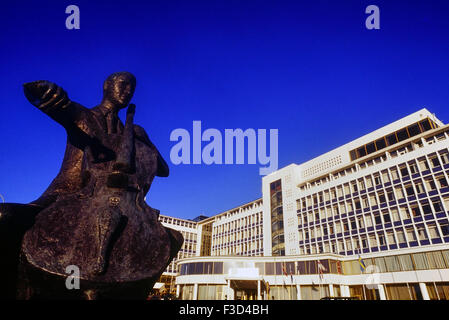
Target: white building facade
378, 204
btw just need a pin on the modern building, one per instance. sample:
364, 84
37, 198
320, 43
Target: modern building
367, 220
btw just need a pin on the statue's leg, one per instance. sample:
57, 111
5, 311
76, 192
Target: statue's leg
15, 220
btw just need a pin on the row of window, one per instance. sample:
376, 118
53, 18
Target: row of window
377, 160
395, 263
393, 174
393, 138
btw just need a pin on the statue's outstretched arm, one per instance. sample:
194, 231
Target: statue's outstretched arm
52, 100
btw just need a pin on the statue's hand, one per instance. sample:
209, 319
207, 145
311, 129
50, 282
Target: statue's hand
46, 95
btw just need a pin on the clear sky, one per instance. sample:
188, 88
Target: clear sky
307, 68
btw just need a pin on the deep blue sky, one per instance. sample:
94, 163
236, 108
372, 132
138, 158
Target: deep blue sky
308, 68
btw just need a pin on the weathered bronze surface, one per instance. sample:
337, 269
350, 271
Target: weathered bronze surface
93, 215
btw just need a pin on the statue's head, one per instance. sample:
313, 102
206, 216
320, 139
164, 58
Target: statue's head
119, 88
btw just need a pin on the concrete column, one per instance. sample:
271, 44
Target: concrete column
331, 290
178, 290
382, 293
345, 291
259, 297
425, 293
195, 291
298, 292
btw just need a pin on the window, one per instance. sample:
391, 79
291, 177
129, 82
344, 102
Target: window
394, 173
395, 214
385, 176
415, 210
434, 161
411, 236
368, 220
390, 195
420, 261
373, 199
392, 264
442, 182
426, 208
406, 262
380, 144
422, 233
444, 228
423, 165
433, 231
353, 224
365, 202
430, 184
386, 216
391, 139
364, 242
361, 223
381, 237
444, 157
382, 198
399, 192
405, 213
419, 187
362, 184
413, 167
404, 171
390, 237
437, 205
369, 182
377, 218
401, 236
372, 240
409, 190
354, 186
377, 180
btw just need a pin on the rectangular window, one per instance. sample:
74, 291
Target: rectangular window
395, 214
390, 237
377, 180
434, 161
433, 231
399, 192
405, 213
444, 226
420, 261
377, 218
401, 236
444, 157
391, 139
442, 182
413, 167
373, 199
410, 234
394, 173
404, 171
422, 233
406, 262
386, 216
369, 181
409, 190
415, 210
419, 187
423, 165
368, 220
430, 184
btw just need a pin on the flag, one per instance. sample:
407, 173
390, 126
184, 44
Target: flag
284, 270
339, 271
362, 264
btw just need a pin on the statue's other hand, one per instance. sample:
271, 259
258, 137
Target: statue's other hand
46, 95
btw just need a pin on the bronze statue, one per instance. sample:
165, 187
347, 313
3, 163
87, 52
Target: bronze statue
93, 215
